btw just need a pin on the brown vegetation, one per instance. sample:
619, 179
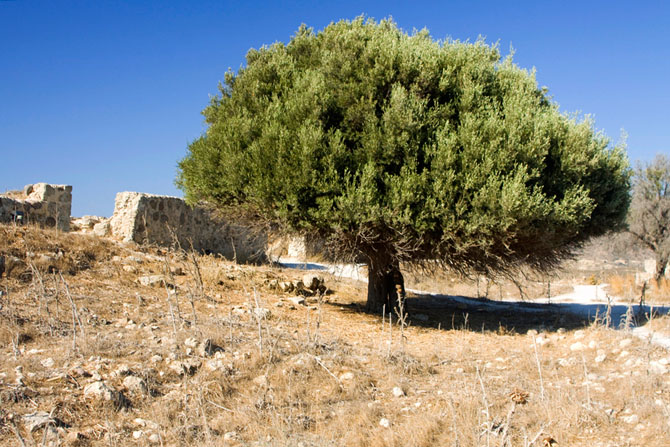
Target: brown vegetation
214, 354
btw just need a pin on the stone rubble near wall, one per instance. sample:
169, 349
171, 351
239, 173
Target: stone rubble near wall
42, 204
154, 219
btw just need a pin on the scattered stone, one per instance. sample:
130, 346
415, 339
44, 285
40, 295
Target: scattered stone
135, 385
312, 281
346, 376
261, 380
153, 280
297, 300
384, 422
147, 423
154, 438
262, 313
656, 367
48, 362
40, 419
231, 436
19, 376
129, 269
99, 390
187, 367
239, 310
631, 419
286, 286
625, 343
122, 371
137, 434
600, 358
398, 392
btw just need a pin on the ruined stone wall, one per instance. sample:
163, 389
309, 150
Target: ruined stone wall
153, 219
40, 204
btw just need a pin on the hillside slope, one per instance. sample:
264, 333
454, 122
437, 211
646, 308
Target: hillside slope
109, 344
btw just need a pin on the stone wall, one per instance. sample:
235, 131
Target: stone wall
153, 219
40, 204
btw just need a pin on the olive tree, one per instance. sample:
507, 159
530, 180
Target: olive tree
401, 150
649, 217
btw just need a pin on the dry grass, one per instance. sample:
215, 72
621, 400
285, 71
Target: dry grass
625, 285
324, 374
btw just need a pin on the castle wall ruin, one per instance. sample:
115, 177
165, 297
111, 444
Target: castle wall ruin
39, 204
155, 219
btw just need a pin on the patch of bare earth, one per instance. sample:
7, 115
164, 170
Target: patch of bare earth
111, 344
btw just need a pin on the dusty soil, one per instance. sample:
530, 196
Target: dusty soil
109, 344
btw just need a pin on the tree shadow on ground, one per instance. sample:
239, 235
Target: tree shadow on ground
449, 312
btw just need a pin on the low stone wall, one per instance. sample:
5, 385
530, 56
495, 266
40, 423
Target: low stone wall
153, 219
40, 204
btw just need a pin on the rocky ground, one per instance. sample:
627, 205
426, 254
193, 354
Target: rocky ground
110, 344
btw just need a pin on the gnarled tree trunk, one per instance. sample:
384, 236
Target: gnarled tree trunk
386, 288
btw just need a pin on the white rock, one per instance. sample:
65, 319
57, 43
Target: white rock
137, 434
101, 391
48, 362
286, 286
577, 346
154, 438
135, 384
632, 419
398, 392
346, 376
625, 343
37, 420
384, 422
262, 313
297, 300
312, 281
147, 423
122, 371
600, 358
231, 436
152, 280
578, 334
261, 380
657, 368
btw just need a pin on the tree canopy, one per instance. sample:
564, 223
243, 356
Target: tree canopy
398, 148
649, 217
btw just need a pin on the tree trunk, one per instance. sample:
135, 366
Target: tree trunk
386, 288
661, 264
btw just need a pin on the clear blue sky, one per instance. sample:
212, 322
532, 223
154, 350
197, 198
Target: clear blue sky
106, 95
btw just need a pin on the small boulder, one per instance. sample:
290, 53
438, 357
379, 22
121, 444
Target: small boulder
98, 390
135, 385
152, 280
286, 286
312, 281
398, 392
